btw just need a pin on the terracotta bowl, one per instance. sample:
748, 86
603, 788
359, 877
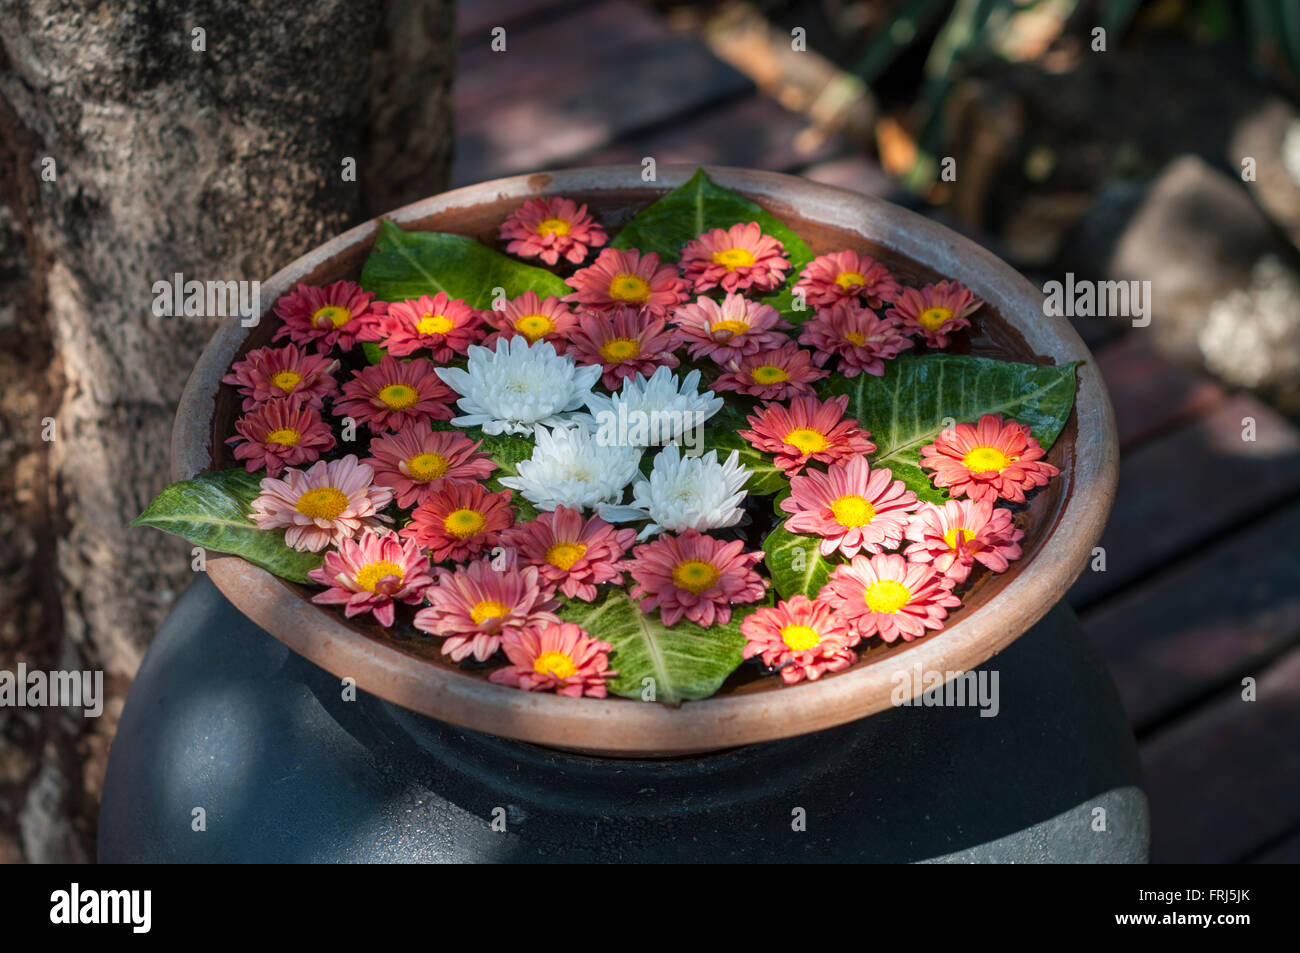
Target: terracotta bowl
1063, 521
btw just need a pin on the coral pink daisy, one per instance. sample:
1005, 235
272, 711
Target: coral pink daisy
696, 576
808, 429
333, 501
851, 506
551, 229
778, 374
530, 317
856, 335
393, 394
994, 458
573, 553
888, 596
442, 325
802, 638
278, 434
739, 258
934, 311
731, 330
324, 317
419, 460
623, 344
458, 521
474, 606
955, 535
269, 373
560, 658
372, 574
627, 279
844, 274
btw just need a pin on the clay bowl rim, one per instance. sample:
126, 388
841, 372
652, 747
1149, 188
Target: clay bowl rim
614, 727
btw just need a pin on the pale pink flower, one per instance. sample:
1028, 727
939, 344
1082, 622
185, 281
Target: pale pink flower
573, 553
731, 330
959, 533
551, 229
530, 317
372, 574
627, 279
780, 374
801, 638
935, 311
474, 606
851, 506
846, 275
888, 596
333, 501
739, 258
560, 658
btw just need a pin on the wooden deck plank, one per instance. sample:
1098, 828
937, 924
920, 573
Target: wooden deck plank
1151, 393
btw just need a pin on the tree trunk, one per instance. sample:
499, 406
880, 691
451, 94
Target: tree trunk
137, 140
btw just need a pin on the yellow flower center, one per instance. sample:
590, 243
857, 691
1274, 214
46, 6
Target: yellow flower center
322, 503
553, 226
368, 576
695, 575
286, 380
854, 338
886, 595
852, 510
427, 466
769, 374
555, 664
463, 523
806, 440
848, 279
984, 459
950, 537
434, 324
285, 436
932, 319
620, 349
399, 396
733, 258
534, 326
487, 610
564, 555
626, 287
332, 313
724, 330
800, 637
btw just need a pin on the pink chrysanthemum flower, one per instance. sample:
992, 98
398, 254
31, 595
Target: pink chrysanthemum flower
934, 311
459, 521
551, 229
333, 501
417, 461
802, 638
780, 374
856, 335
846, 275
474, 606
808, 429
393, 395
888, 596
324, 317
739, 258
270, 373
623, 344
278, 434
851, 506
372, 574
731, 330
953, 536
442, 325
530, 317
573, 553
560, 658
627, 279
995, 458
696, 576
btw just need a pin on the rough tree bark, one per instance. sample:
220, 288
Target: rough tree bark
217, 154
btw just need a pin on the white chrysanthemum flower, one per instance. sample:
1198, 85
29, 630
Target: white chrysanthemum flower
685, 493
570, 467
653, 411
517, 386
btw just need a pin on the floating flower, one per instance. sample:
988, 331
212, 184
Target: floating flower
333, 501
844, 274
393, 395
739, 258
934, 311
684, 493
731, 330
772, 375
888, 596
551, 229
326, 316
955, 535
802, 638
442, 325
270, 373
518, 385
851, 506
419, 460
652, 411
372, 574
533, 319
995, 458
623, 344
560, 658
573, 553
474, 606
808, 429
280, 433
570, 467
627, 279
696, 576
861, 340
458, 521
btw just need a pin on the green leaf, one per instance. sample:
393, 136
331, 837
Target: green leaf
905, 409
795, 562
685, 661
409, 264
373, 352
212, 510
720, 434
